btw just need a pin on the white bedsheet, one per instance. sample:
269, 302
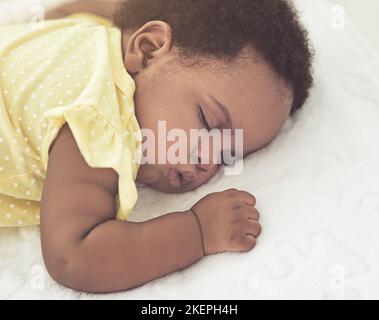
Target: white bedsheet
317, 187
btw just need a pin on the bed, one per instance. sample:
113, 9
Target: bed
317, 188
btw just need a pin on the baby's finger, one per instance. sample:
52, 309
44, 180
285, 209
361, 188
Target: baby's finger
253, 213
248, 242
247, 198
254, 228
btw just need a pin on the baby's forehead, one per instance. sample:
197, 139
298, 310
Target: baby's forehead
259, 105
256, 83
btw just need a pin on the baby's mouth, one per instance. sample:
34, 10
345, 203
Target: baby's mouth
180, 179
174, 178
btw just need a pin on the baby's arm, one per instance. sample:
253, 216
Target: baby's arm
85, 248
104, 8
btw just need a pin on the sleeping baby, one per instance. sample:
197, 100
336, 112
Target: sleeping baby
86, 98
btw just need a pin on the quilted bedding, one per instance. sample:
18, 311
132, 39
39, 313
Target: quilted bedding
317, 187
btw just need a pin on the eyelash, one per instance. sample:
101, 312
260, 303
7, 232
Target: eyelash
203, 119
207, 126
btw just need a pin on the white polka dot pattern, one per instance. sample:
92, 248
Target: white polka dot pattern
70, 71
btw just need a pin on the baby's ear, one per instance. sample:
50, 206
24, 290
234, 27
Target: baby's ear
150, 42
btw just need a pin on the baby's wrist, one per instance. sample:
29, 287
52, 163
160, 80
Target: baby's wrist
201, 234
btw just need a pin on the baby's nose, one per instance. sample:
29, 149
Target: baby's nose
205, 167
204, 164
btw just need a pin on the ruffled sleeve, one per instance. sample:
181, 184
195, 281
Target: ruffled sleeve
102, 118
103, 144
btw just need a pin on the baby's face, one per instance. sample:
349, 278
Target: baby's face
243, 95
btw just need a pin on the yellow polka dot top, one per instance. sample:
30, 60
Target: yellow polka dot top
64, 71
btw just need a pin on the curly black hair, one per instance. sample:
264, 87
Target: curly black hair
222, 28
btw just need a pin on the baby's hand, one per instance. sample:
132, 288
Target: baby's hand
229, 221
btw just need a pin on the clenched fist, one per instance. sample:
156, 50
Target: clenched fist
228, 220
